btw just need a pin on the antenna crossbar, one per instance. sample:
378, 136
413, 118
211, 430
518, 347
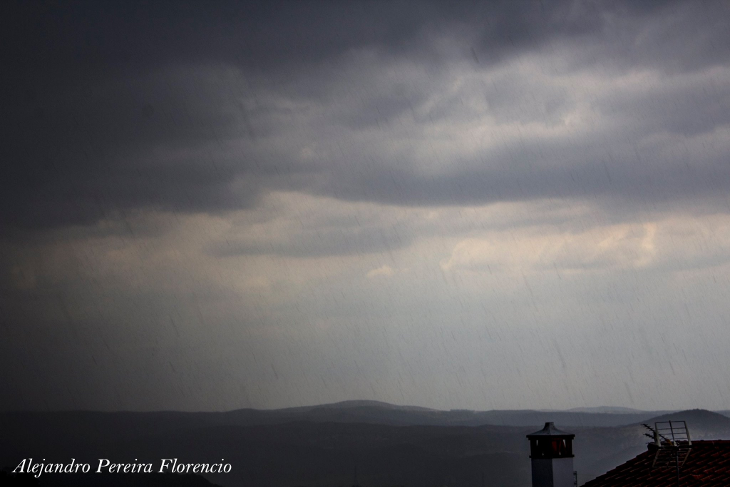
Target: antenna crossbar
673, 443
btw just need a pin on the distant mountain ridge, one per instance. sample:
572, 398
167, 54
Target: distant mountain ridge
376, 412
322, 445
609, 410
701, 423
354, 403
385, 413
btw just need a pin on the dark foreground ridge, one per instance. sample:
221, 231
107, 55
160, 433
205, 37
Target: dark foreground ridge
299, 447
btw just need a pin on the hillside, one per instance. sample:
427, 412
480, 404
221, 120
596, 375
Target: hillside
326, 453
702, 424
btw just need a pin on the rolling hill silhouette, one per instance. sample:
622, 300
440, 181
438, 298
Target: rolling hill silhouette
301, 447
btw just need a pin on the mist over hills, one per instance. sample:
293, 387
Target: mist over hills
703, 424
403, 416
606, 409
324, 445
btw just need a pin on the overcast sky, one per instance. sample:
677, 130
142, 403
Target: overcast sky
491, 205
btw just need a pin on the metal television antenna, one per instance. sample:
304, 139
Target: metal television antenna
671, 443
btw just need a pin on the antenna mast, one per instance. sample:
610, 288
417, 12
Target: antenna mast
672, 442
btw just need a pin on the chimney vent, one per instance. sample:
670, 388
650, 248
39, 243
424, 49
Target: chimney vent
551, 453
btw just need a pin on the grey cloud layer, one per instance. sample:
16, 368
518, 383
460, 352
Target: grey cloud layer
393, 193
194, 109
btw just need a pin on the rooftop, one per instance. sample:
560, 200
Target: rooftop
708, 464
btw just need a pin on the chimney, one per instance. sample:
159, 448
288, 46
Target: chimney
551, 451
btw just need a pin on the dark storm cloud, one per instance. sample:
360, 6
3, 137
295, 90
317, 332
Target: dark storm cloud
600, 179
77, 151
312, 117
689, 109
118, 106
135, 35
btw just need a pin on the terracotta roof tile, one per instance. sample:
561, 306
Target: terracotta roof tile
708, 464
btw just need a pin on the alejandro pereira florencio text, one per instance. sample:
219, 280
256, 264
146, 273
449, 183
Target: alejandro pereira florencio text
105, 465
